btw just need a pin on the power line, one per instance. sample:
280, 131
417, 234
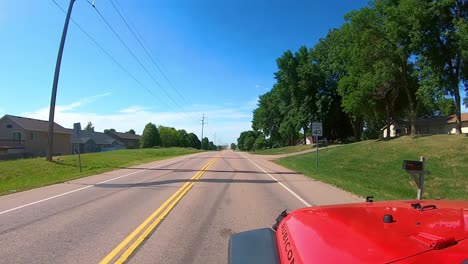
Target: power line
143, 46
136, 58
108, 54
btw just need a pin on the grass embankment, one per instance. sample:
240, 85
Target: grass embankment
283, 150
375, 167
24, 174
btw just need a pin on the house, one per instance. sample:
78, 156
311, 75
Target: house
131, 141
309, 140
28, 137
91, 141
433, 125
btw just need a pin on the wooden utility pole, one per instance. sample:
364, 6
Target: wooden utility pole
54, 85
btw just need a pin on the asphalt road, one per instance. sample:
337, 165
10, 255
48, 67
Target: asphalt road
180, 210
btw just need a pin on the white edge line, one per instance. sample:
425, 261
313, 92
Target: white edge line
280, 183
80, 189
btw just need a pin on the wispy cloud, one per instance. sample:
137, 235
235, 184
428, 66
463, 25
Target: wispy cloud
226, 122
134, 109
81, 102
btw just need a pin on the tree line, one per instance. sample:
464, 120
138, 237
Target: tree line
166, 137
394, 60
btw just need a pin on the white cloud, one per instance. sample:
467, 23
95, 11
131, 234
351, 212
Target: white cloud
257, 86
226, 122
134, 109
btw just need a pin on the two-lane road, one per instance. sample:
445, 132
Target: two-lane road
180, 210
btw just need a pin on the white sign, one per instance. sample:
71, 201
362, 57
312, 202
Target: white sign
317, 129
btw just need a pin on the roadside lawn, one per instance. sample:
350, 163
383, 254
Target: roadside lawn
282, 150
24, 174
375, 167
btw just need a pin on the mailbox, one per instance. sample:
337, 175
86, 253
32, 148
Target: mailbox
412, 165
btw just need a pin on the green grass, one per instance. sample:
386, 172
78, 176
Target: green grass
283, 150
375, 167
24, 174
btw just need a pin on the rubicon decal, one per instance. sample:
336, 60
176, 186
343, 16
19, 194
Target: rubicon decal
287, 244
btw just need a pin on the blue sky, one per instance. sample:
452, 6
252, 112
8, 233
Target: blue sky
219, 55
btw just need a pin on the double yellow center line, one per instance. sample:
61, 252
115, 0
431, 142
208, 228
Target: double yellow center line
167, 206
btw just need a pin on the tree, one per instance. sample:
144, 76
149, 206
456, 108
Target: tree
205, 143
184, 140
131, 131
259, 143
267, 116
233, 146
150, 137
107, 131
169, 136
194, 142
249, 143
211, 146
89, 127
442, 44
243, 143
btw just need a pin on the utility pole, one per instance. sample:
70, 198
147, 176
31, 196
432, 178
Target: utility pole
202, 124
54, 85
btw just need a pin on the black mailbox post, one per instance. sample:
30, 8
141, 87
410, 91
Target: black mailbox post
416, 170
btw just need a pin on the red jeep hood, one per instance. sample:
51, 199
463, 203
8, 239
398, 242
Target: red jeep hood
356, 233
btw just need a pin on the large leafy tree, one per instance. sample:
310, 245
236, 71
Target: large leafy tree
169, 136
267, 116
205, 143
184, 140
150, 137
247, 139
194, 142
442, 45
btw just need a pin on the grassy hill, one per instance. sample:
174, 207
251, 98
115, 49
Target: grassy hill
375, 167
24, 174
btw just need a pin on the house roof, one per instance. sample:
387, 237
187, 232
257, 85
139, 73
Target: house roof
98, 138
453, 119
438, 120
126, 135
442, 120
36, 124
80, 140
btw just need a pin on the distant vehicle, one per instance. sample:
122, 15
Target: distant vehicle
419, 231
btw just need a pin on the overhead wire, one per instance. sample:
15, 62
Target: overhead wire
136, 58
108, 54
143, 46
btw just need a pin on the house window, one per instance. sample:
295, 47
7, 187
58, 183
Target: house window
9, 126
16, 136
31, 135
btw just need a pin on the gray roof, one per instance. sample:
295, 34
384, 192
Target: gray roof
126, 135
98, 138
36, 124
80, 140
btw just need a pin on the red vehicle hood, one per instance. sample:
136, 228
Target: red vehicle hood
356, 233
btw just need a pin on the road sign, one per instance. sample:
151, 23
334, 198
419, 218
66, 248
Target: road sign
317, 129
